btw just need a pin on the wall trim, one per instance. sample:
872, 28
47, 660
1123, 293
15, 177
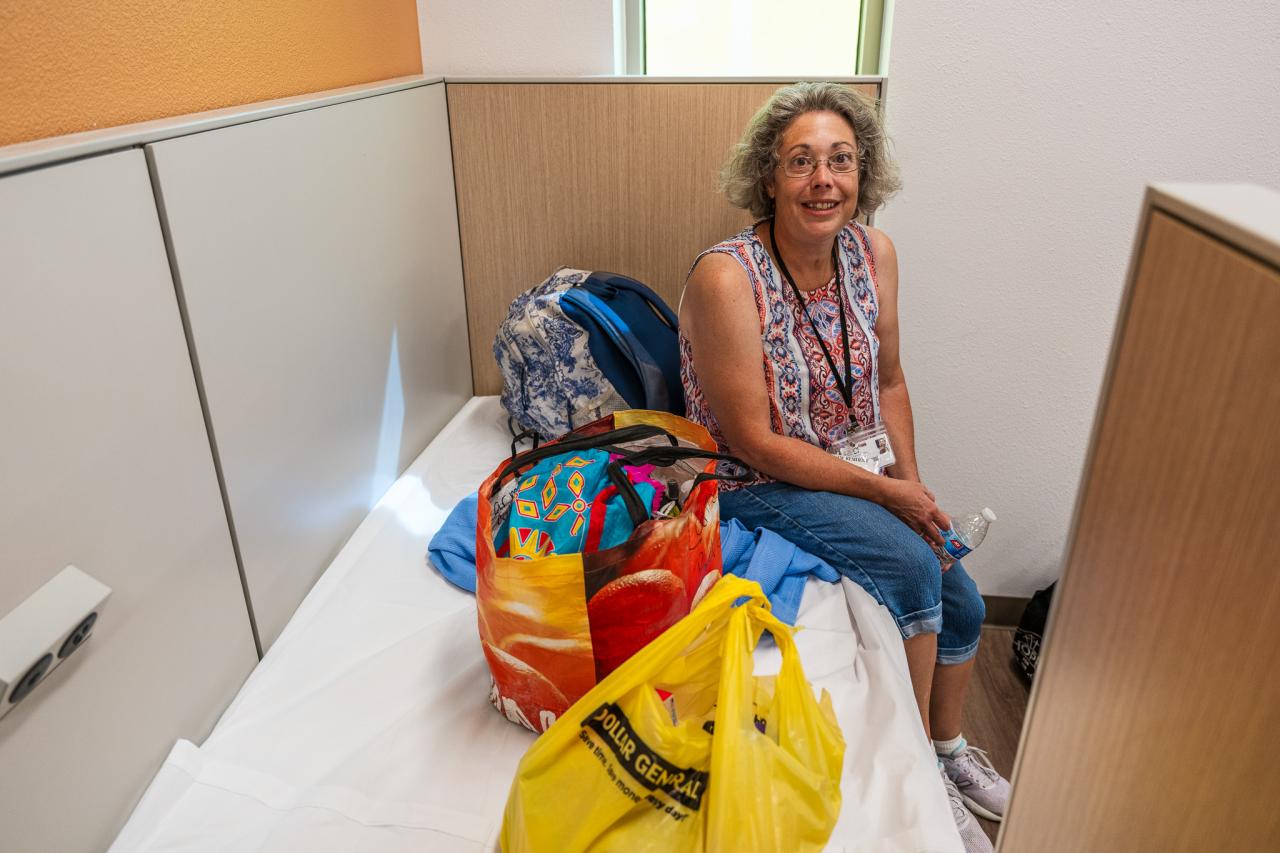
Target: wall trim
37, 153
1004, 611
22, 156
644, 78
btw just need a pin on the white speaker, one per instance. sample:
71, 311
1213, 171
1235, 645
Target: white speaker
44, 630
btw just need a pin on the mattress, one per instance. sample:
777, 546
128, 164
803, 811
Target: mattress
367, 725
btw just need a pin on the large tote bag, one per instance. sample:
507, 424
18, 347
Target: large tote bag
553, 626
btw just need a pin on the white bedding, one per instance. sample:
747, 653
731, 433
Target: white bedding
367, 726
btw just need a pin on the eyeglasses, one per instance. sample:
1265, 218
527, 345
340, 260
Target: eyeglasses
804, 165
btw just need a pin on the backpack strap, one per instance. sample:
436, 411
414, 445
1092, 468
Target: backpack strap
606, 284
517, 437
652, 380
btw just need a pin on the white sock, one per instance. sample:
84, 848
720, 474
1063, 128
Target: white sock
949, 747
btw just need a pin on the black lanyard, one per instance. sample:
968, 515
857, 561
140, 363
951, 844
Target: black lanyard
846, 385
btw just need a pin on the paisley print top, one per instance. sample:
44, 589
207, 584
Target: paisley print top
804, 400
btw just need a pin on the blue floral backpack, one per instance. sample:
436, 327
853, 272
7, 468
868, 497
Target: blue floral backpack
582, 345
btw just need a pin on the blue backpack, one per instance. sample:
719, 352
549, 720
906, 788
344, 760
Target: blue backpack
582, 345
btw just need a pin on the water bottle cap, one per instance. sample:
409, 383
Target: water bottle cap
988, 514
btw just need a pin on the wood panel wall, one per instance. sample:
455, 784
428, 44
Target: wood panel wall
604, 176
1153, 722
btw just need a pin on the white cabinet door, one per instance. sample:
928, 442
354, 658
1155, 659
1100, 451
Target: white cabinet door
105, 463
318, 257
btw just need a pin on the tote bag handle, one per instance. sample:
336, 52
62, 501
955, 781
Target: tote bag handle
602, 441
662, 456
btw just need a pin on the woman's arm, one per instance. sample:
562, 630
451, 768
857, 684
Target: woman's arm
895, 402
718, 316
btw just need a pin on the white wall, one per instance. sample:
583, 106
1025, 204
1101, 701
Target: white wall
495, 38
1026, 133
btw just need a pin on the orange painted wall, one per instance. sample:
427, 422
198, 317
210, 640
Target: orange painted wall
72, 65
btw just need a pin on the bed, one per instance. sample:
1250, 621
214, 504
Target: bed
367, 725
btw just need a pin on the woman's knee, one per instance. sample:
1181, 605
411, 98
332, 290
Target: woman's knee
914, 587
918, 568
969, 613
963, 612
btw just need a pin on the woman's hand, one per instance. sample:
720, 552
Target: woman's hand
912, 502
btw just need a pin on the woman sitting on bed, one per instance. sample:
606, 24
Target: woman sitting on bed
788, 341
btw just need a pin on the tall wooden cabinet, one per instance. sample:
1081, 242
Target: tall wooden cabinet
1154, 724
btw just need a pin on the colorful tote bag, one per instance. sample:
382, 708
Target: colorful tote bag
555, 617
550, 509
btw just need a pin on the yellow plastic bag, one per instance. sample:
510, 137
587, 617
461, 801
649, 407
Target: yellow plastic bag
682, 748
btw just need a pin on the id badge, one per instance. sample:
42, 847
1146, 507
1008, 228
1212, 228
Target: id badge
867, 448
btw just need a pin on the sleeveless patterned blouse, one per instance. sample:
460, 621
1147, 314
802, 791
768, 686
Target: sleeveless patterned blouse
804, 400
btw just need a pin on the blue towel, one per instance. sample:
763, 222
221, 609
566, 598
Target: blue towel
773, 562
453, 549
759, 555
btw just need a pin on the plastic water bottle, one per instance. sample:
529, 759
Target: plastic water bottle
966, 533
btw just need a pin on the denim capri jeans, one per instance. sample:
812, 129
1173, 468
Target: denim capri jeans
876, 550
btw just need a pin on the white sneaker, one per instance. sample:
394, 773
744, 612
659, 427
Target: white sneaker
983, 790
975, 840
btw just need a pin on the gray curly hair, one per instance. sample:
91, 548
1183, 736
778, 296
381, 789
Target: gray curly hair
745, 178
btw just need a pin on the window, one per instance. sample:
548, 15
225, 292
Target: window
754, 38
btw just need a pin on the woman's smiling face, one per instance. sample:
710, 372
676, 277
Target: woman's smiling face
818, 206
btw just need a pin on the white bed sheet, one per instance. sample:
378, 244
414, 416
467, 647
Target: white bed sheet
367, 725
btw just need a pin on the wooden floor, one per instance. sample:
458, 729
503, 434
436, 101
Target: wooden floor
996, 704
